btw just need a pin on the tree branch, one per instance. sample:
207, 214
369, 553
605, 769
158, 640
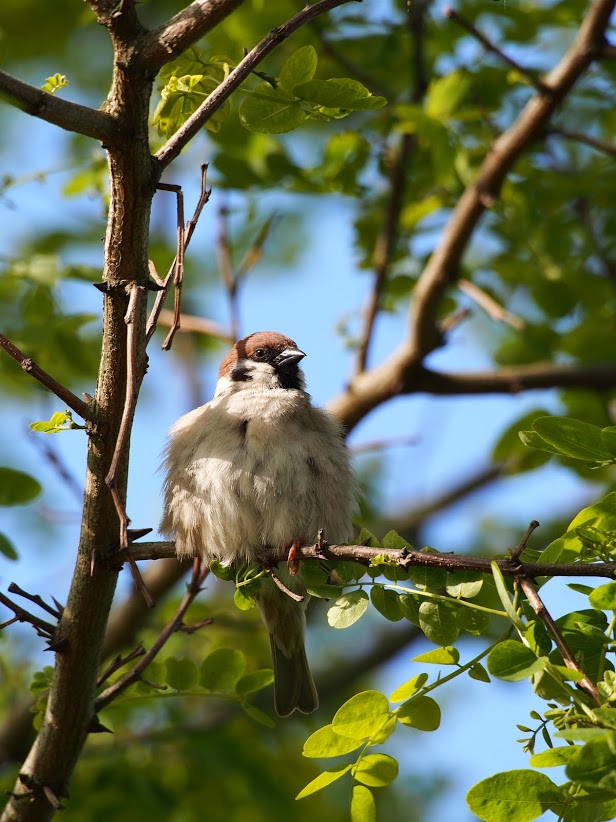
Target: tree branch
207, 109
30, 367
578, 137
398, 373
536, 603
491, 47
160, 46
515, 379
70, 116
363, 555
192, 589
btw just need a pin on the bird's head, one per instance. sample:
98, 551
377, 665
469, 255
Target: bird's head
265, 359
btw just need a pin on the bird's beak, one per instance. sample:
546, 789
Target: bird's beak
290, 356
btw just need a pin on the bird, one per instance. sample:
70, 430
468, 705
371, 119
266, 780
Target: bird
260, 466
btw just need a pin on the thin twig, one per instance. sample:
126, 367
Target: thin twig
119, 662
30, 367
489, 46
229, 278
490, 306
536, 603
204, 196
364, 555
43, 628
55, 612
578, 137
244, 68
191, 324
200, 571
135, 294
384, 444
178, 266
280, 584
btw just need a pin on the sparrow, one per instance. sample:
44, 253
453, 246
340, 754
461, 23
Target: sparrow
259, 466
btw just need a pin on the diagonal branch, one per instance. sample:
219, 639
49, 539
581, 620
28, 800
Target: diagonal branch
74, 117
160, 46
30, 367
399, 372
442, 268
244, 68
538, 606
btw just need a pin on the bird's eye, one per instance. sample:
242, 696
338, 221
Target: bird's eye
261, 354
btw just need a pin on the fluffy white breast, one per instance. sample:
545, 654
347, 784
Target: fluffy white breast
256, 466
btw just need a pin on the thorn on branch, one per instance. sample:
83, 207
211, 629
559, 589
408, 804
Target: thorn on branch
118, 663
196, 626
515, 556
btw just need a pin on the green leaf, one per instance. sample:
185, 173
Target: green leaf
421, 712
54, 83
532, 440
271, 111
324, 591
366, 537
409, 688
222, 669
438, 622
339, 92
220, 571
553, 757
445, 94
513, 796
573, 438
17, 488
348, 609
594, 764
7, 548
362, 715
511, 453
363, 806
464, 584
254, 681
323, 780
299, 68
181, 674
440, 656
376, 770
579, 588
386, 603
409, 607
327, 742
433, 579
604, 597
392, 541
243, 599
503, 593
478, 672
41, 680
473, 621
513, 661
258, 715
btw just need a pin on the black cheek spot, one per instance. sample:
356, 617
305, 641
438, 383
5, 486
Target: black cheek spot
240, 373
243, 429
313, 466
